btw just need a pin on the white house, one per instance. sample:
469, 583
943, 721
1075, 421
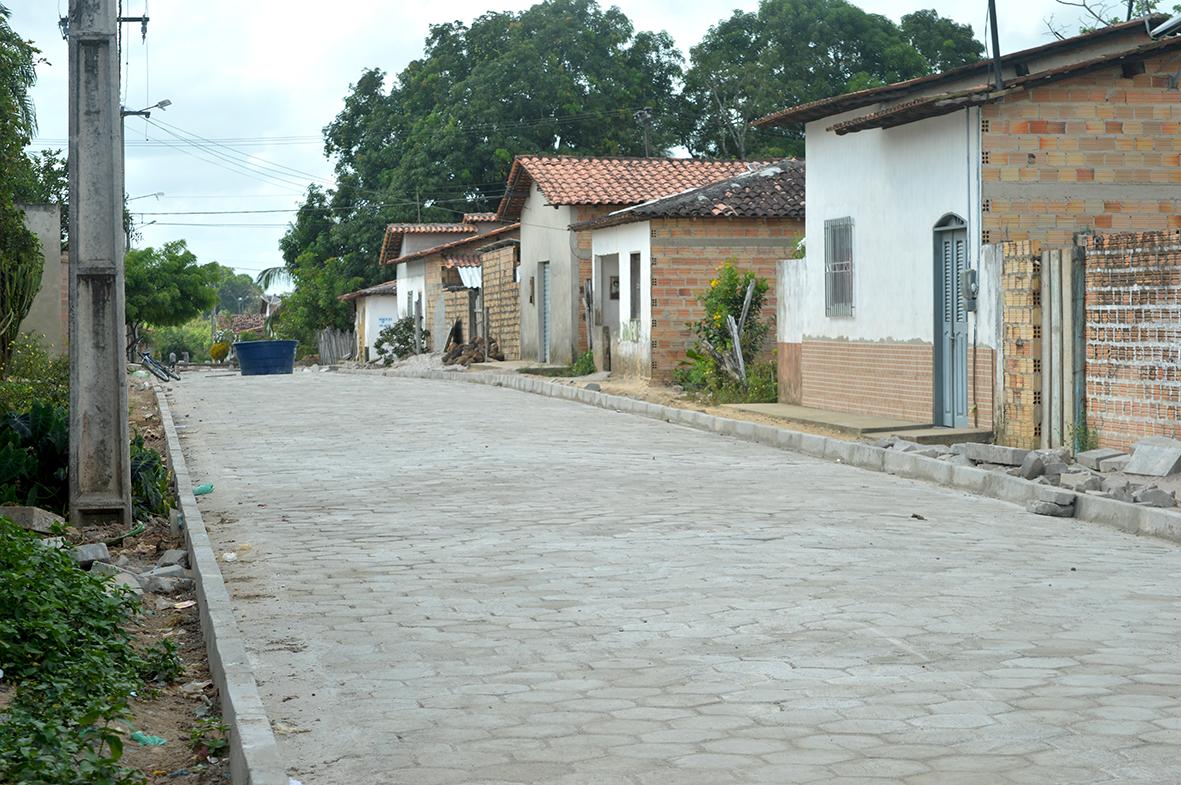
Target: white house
375, 308
894, 309
546, 195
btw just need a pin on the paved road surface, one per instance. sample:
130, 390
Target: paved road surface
449, 583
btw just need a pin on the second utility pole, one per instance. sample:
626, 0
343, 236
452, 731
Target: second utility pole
100, 467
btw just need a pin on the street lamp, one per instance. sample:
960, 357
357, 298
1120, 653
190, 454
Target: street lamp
158, 194
148, 111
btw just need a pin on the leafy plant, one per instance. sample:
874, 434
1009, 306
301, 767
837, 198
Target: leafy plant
583, 366
166, 287
161, 664
34, 374
209, 737
1082, 437
151, 482
397, 341
66, 648
704, 372
191, 337
34, 456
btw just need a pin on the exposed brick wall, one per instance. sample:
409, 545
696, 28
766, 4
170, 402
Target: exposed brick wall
502, 299
1020, 425
1094, 152
1133, 315
888, 379
682, 270
455, 303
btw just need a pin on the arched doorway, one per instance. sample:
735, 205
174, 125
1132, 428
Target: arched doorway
951, 322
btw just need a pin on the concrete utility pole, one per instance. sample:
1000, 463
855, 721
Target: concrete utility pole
100, 466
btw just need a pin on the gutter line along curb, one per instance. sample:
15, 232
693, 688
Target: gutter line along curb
1130, 518
254, 756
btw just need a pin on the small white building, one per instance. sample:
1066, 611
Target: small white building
375, 309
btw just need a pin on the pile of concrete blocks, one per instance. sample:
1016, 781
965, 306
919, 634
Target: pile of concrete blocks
167, 576
1100, 472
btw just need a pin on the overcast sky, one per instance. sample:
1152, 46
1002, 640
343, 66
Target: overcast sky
263, 78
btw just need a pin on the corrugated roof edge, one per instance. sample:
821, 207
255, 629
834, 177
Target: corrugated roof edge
824, 107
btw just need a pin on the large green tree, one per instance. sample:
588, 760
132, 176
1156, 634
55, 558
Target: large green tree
20, 251
562, 76
793, 51
236, 292
166, 287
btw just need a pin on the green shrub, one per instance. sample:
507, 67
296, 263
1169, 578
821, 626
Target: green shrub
151, 482
191, 337
397, 341
65, 647
34, 460
584, 365
702, 374
34, 374
34, 456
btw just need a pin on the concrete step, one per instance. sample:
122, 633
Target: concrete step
945, 435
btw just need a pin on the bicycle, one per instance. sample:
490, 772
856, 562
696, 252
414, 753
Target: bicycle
157, 368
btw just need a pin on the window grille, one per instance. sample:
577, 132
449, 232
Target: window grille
838, 267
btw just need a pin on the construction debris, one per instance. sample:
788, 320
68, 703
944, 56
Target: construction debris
475, 351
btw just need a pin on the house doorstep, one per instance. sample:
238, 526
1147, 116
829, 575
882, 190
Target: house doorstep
841, 422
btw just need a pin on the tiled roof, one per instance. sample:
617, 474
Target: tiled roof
391, 244
389, 287
566, 179
826, 107
480, 218
774, 191
473, 242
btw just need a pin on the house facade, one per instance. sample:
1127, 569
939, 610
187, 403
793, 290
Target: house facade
651, 262
445, 280
375, 308
895, 309
549, 194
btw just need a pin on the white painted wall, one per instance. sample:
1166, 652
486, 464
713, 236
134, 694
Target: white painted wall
411, 286
545, 237
895, 184
631, 342
376, 312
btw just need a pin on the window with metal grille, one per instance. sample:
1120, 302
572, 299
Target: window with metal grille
838, 267
634, 272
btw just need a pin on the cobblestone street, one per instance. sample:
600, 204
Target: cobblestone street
451, 584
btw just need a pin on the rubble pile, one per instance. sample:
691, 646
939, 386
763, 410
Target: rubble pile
475, 351
1150, 476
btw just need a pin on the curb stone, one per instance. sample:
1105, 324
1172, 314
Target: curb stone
1130, 518
254, 756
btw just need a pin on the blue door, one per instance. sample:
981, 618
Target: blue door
951, 350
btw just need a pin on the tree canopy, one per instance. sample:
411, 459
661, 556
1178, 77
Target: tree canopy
794, 51
166, 287
20, 250
569, 76
235, 291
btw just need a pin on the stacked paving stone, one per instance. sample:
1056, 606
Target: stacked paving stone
1101, 472
167, 576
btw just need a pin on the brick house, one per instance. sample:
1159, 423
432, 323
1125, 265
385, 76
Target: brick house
546, 195
910, 182
653, 260
403, 243
448, 277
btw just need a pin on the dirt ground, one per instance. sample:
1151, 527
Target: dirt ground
170, 711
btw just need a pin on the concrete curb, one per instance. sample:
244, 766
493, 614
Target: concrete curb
254, 756
1131, 518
